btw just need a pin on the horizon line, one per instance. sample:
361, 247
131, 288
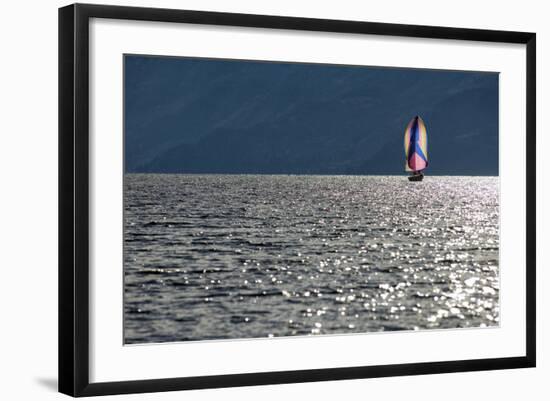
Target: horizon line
314, 174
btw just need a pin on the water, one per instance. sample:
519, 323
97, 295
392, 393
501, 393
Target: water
240, 256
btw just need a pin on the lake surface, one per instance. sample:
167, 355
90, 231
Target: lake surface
240, 256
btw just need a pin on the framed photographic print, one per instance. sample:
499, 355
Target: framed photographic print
249, 199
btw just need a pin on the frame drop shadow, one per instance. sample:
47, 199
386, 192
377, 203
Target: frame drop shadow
47, 382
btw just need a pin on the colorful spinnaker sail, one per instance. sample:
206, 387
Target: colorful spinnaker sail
416, 145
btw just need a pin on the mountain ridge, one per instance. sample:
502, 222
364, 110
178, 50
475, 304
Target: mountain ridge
212, 116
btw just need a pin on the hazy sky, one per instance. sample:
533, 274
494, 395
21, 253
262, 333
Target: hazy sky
222, 116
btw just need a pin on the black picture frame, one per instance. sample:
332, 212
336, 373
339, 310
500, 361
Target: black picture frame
74, 198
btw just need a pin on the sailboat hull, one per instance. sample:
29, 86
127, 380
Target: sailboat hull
419, 177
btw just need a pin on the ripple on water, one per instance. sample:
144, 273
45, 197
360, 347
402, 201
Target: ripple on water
214, 257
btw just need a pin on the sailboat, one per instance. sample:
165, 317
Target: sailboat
416, 148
